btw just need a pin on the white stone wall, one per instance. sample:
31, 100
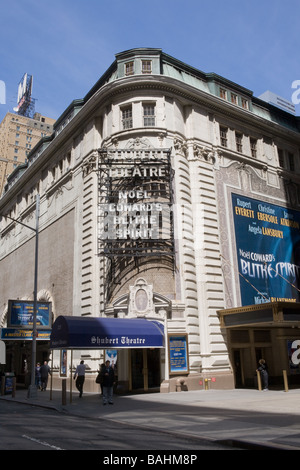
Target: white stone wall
71, 272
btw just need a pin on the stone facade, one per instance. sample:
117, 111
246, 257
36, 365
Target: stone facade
219, 140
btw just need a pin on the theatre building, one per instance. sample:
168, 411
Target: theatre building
166, 208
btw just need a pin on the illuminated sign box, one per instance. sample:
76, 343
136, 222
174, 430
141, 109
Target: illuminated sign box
178, 351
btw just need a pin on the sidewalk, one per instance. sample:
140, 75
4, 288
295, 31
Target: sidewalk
249, 419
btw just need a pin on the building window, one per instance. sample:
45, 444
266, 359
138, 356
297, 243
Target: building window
245, 104
223, 136
129, 68
146, 66
238, 141
223, 93
291, 162
234, 99
149, 115
281, 158
127, 118
253, 148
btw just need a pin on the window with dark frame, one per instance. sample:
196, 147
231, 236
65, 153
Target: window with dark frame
129, 68
291, 161
245, 104
253, 147
149, 115
146, 66
127, 122
239, 142
223, 136
281, 158
223, 93
234, 99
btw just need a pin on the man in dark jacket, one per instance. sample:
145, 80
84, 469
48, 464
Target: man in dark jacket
263, 369
44, 371
108, 382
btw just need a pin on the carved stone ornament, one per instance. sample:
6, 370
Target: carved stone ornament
139, 143
180, 146
141, 299
203, 153
89, 164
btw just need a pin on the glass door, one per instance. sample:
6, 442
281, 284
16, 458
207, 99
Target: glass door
144, 369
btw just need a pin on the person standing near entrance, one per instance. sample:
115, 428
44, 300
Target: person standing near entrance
108, 382
38, 376
80, 374
45, 372
263, 369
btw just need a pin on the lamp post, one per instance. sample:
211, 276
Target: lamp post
32, 390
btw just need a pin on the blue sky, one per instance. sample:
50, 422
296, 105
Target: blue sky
68, 44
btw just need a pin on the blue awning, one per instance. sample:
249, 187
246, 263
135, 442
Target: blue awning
70, 332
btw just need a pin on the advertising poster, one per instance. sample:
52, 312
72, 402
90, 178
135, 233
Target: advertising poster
111, 355
178, 354
21, 314
268, 251
63, 363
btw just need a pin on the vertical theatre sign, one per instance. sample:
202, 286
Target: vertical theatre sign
268, 251
135, 206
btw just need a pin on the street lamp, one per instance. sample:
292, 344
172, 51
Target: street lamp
32, 390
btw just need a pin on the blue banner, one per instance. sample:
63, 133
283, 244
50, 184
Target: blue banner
268, 251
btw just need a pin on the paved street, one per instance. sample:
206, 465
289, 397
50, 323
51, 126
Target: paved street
247, 419
26, 427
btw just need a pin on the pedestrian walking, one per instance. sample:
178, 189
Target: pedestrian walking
263, 369
108, 383
38, 376
45, 372
80, 377
99, 379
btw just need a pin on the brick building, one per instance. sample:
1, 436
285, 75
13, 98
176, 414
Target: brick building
18, 136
